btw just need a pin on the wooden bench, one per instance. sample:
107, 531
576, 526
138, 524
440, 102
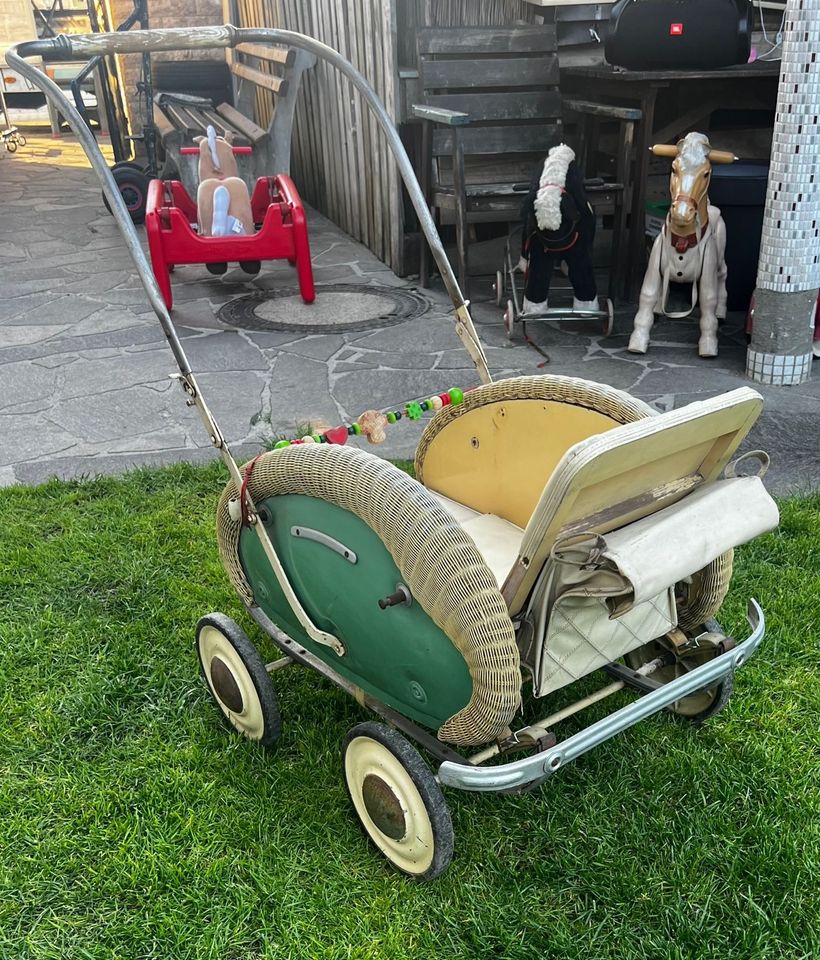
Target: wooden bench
491, 110
266, 84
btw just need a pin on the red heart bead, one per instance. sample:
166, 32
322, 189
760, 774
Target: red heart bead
336, 435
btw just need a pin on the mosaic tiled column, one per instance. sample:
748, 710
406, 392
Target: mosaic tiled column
789, 269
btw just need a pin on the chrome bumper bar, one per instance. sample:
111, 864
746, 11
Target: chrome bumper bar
538, 767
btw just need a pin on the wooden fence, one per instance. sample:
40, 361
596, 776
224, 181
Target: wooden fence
341, 162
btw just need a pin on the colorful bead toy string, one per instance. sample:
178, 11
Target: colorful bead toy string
372, 423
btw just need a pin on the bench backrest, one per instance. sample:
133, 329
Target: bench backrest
505, 78
266, 85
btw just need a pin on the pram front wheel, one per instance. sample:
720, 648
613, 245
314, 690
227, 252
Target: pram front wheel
398, 801
237, 679
699, 706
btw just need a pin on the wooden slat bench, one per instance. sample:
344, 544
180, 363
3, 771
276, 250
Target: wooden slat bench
277, 71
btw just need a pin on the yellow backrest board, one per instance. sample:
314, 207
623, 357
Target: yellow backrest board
498, 457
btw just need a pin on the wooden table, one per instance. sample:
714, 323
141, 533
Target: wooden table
744, 86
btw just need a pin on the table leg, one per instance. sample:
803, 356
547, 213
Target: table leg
637, 243
626, 141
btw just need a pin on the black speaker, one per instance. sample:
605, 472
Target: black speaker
679, 34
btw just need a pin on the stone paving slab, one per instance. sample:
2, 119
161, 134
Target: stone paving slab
84, 367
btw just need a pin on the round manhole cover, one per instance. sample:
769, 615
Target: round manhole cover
337, 307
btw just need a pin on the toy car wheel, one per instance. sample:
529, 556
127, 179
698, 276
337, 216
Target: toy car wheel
11, 146
699, 706
398, 801
237, 679
609, 319
509, 320
499, 288
133, 187
21, 140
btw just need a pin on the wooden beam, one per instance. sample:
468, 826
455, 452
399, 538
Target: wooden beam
275, 84
261, 51
539, 71
246, 127
493, 40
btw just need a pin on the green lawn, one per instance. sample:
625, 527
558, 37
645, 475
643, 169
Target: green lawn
133, 825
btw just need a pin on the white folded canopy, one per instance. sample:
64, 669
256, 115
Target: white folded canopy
669, 546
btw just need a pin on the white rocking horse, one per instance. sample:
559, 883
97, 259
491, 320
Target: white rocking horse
689, 249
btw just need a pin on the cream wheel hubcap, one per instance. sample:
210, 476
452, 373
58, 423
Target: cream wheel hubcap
230, 683
389, 805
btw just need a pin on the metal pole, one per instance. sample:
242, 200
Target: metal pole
789, 268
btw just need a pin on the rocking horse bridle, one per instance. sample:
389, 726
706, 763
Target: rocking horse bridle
684, 242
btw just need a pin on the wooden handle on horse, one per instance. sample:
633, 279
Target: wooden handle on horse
722, 156
671, 150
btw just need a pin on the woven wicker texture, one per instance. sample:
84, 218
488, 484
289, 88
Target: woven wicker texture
437, 559
609, 401
706, 593
709, 587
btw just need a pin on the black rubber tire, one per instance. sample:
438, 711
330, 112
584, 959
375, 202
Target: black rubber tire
199, 78
129, 165
11, 146
425, 783
255, 667
723, 691
133, 185
722, 698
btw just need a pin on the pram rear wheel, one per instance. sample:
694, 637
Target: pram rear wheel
499, 288
703, 704
398, 801
237, 678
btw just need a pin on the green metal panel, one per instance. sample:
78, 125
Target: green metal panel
398, 655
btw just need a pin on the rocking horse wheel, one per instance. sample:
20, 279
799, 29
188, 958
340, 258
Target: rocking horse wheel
609, 320
499, 288
509, 320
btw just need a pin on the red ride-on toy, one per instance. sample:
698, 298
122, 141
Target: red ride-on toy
170, 222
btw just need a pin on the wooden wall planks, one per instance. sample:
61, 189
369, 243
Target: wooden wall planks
341, 162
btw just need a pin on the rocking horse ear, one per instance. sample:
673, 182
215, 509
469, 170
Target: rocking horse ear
665, 150
721, 156
198, 140
229, 136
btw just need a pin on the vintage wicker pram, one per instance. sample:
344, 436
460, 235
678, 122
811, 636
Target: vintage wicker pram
555, 527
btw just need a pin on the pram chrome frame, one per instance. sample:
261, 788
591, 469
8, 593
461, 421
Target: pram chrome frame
454, 770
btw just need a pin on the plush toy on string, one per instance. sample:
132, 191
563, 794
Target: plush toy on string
559, 227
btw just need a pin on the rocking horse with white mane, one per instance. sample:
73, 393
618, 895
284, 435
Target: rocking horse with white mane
689, 249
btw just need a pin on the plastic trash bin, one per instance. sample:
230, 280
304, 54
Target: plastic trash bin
739, 189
